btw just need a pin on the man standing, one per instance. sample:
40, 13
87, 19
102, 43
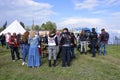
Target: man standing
93, 41
104, 37
14, 44
65, 42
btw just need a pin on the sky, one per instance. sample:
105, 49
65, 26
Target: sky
65, 13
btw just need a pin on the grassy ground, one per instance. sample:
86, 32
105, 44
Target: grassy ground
84, 67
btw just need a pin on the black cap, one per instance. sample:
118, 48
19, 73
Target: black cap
66, 29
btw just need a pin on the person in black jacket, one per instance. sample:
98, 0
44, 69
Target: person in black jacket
93, 41
65, 42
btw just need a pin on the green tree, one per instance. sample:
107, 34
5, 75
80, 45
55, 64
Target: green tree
27, 28
1, 29
5, 24
43, 27
48, 26
35, 27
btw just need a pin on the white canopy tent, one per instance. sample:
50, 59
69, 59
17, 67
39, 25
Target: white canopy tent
14, 27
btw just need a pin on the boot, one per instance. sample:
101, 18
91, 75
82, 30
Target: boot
49, 63
85, 53
54, 64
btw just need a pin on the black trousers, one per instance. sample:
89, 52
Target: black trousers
66, 55
93, 44
15, 49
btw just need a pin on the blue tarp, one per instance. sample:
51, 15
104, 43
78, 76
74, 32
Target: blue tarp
79, 29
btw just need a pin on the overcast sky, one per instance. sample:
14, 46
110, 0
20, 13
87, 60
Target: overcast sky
65, 13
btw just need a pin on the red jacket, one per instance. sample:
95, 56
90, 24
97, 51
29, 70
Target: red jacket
13, 41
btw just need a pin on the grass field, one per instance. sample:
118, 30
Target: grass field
84, 67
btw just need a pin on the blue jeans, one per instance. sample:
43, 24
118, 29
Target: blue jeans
103, 45
21, 48
25, 51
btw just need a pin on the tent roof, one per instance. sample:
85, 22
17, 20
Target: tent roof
14, 27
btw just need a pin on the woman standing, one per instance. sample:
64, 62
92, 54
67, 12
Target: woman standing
33, 56
83, 42
25, 47
52, 46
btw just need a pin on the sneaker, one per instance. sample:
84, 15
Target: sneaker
13, 60
23, 63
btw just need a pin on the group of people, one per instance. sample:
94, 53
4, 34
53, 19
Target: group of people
94, 41
64, 43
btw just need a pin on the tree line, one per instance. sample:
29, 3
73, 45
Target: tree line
45, 26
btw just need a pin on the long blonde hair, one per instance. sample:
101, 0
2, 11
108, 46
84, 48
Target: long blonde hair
32, 34
82, 32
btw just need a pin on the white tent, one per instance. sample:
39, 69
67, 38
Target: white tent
14, 27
